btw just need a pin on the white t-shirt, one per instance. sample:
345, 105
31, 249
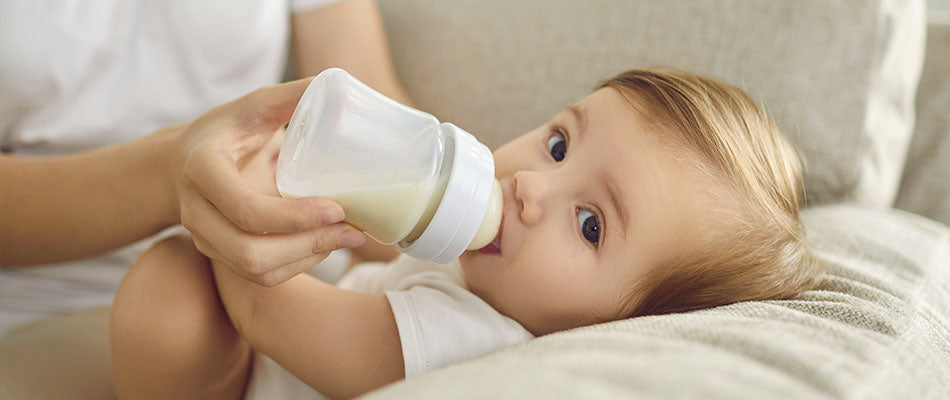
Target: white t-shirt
439, 321
77, 75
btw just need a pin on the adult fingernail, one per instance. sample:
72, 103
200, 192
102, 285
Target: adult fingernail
352, 238
331, 215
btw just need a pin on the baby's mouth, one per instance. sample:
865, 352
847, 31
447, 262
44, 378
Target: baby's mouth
495, 246
491, 248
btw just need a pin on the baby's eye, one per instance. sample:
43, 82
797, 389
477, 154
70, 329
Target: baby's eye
590, 227
557, 147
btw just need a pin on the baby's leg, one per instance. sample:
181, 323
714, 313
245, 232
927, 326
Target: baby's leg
171, 337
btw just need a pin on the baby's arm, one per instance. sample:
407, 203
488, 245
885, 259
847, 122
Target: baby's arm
342, 343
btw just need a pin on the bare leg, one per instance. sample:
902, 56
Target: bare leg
171, 337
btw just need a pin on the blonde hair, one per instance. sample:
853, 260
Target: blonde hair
753, 246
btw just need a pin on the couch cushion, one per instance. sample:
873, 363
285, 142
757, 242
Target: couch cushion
839, 77
925, 187
879, 328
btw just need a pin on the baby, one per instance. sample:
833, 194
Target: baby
660, 192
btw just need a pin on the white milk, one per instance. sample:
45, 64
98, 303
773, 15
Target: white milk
386, 213
402, 212
391, 167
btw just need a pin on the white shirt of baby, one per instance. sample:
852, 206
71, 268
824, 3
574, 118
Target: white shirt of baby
440, 322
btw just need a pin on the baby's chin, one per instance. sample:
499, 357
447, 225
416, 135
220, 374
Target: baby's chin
466, 258
471, 261
475, 270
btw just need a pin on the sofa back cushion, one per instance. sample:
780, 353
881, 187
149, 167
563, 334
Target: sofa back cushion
839, 77
925, 187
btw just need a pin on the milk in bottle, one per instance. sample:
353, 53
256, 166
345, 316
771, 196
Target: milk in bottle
400, 175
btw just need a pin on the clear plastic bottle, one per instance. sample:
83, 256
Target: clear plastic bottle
400, 175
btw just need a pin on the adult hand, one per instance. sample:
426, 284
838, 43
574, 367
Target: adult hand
265, 239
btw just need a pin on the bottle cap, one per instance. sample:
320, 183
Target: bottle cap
464, 203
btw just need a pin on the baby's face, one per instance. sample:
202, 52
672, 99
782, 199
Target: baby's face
591, 202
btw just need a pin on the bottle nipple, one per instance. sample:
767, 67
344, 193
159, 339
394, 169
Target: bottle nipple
488, 230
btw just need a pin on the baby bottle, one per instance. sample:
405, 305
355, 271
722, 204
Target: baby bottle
401, 176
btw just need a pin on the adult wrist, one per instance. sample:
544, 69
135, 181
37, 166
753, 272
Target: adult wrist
166, 170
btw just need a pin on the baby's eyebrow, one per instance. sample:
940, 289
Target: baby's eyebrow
614, 195
580, 116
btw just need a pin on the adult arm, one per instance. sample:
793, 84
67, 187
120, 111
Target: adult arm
61, 208
348, 35
342, 343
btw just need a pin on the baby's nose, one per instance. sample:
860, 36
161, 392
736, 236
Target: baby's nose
530, 192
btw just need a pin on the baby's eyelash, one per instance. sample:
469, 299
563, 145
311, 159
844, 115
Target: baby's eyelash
557, 143
559, 130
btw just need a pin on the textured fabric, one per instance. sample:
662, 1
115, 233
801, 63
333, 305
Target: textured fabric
839, 77
439, 322
35, 359
76, 75
268, 380
302, 6
925, 187
31, 294
441, 325
878, 328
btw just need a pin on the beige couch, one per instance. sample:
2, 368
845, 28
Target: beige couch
841, 78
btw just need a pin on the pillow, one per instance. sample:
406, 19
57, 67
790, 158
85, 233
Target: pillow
839, 77
925, 187
878, 328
